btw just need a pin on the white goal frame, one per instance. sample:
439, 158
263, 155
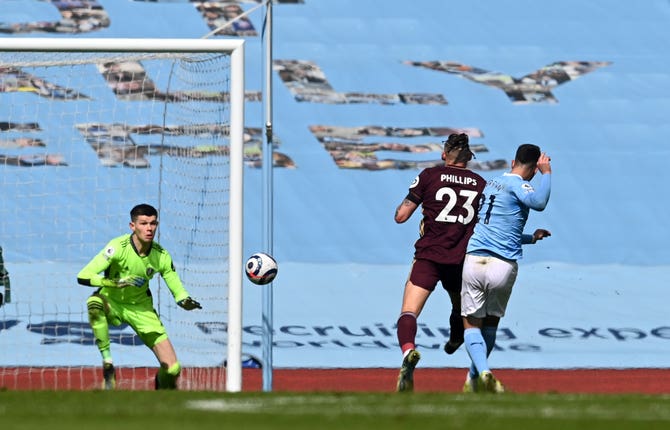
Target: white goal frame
234, 48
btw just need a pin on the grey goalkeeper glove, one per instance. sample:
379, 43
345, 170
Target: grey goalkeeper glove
128, 281
189, 304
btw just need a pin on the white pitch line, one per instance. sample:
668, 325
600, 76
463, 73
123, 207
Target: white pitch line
458, 406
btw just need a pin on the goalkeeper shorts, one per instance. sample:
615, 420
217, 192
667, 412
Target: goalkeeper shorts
142, 317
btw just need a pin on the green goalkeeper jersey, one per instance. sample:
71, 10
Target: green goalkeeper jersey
119, 259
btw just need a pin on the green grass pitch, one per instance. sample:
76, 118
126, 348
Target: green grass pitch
182, 410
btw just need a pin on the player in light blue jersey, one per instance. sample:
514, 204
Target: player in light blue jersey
490, 266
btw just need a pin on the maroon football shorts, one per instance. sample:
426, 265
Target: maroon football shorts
426, 274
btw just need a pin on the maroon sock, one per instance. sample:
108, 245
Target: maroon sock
406, 331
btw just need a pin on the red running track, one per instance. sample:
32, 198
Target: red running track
646, 381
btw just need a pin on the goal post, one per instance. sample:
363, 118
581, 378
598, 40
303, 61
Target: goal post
88, 128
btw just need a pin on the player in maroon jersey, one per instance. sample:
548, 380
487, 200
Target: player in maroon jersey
450, 196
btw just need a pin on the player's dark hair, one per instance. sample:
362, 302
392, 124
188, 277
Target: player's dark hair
143, 209
527, 154
459, 142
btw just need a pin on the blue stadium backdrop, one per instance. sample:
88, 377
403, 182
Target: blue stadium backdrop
364, 92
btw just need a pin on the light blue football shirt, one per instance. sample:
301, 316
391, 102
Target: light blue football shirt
503, 214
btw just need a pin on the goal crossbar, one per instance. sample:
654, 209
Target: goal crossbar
40, 44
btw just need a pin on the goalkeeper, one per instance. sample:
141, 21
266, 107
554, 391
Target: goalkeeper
121, 274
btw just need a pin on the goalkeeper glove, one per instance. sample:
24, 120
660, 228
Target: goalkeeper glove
128, 281
189, 304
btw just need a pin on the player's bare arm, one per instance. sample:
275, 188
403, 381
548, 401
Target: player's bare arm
404, 211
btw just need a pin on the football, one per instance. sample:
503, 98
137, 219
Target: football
261, 268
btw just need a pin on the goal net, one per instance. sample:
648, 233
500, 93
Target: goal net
88, 129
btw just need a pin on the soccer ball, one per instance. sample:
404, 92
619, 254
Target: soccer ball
261, 268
